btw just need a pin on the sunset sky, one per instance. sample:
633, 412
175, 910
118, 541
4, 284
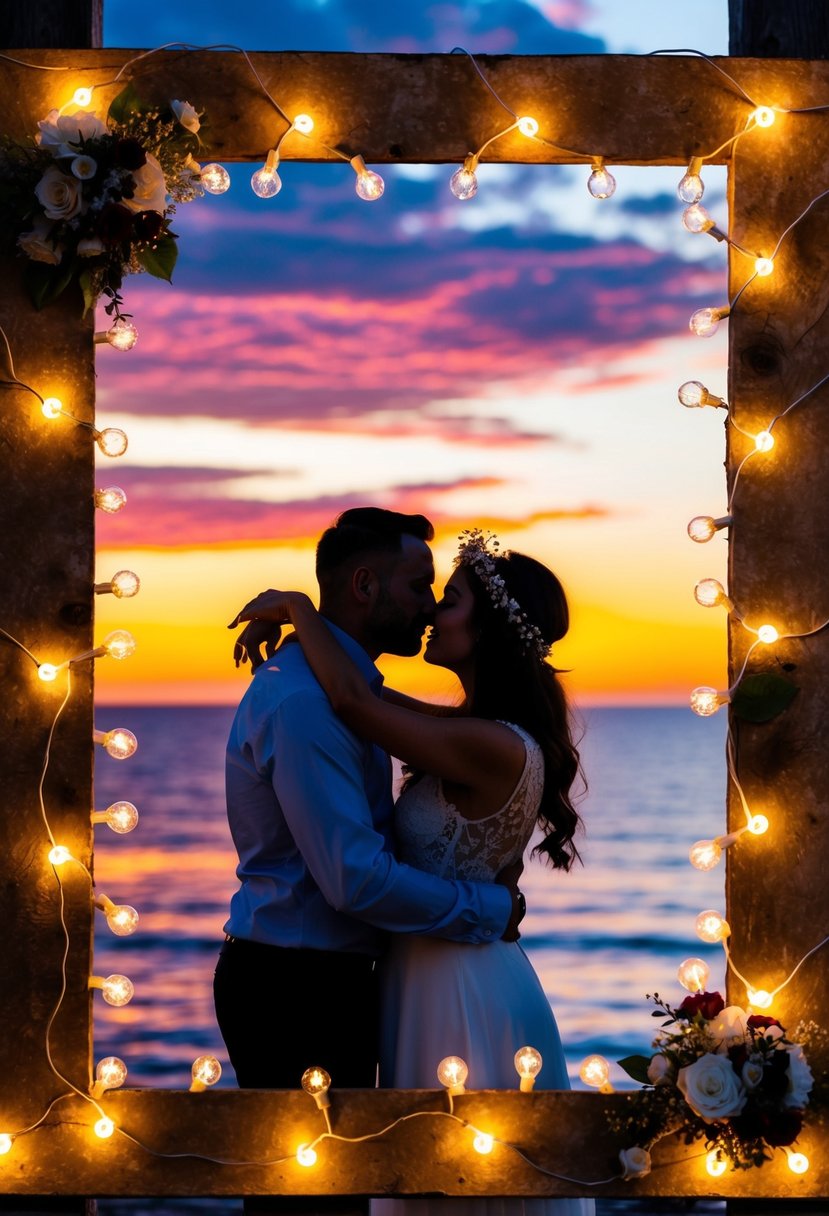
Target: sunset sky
511, 361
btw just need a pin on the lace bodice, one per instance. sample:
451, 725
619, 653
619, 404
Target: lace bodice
432, 836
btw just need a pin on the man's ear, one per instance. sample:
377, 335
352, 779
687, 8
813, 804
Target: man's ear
364, 584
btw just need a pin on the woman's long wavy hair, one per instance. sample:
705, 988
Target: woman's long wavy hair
512, 684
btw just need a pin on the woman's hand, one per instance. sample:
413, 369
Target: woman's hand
267, 613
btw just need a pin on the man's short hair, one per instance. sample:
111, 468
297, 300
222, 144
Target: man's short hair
365, 530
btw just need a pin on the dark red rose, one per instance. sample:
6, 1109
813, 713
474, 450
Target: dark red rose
749, 1125
762, 1021
782, 1128
147, 225
709, 1004
114, 224
128, 154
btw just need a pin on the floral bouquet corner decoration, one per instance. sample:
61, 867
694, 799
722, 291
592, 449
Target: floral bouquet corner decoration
721, 1075
91, 201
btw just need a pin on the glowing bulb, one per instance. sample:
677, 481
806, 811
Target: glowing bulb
116, 990
798, 1163
705, 701
716, 1163
595, 1071
692, 395
125, 584
119, 743
763, 116
47, 672
59, 855
528, 1065
266, 183
758, 824
215, 179
705, 854
104, 1128
206, 1071
711, 926
52, 407
303, 123
528, 126
305, 1155
121, 918
764, 441
696, 219
703, 527
369, 185
317, 1082
452, 1072
763, 267
110, 1073
82, 96
112, 442
122, 817
5, 1143
693, 974
767, 634
110, 500
122, 334
710, 593
691, 188
119, 644
483, 1143
759, 998
601, 183
706, 321
464, 181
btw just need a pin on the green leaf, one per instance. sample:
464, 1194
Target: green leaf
761, 697
126, 103
636, 1067
160, 261
44, 283
89, 296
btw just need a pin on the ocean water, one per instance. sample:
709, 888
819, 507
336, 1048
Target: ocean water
601, 937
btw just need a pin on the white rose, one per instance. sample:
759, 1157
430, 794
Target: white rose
83, 168
752, 1073
58, 132
711, 1088
186, 115
800, 1079
150, 188
728, 1027
636, 1162
660, 1070
90, 246
59, 195
37, 245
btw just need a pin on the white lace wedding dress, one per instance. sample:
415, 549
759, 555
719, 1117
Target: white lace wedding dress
480, 1002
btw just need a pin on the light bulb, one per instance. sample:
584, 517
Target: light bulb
122, 334
47, 672
763, 116
104, 1128
111, 441
119, 743
705, 700
595, 1071
716, 1163
215, 179
528, 1065
52, 407
692, 395
5, 1143
305, 1155
705, 854
764, 441
763, 266
696, 219
758, 824
121, 918
206, 1071
706, 321
116, 990
110, 500
601, 183
110, 1073
464, 181
266, 183
483, 1142
528, 126
59, 855
712, 926
317, 1082
369, 186
798, 1163
119, 644
82, 96
303, 123
691, 188
693, 974
710, 593
124, 584
452, 1072
767, 634
759, 998
122, 817
703, 527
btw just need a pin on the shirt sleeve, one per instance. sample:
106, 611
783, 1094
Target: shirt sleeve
317, 767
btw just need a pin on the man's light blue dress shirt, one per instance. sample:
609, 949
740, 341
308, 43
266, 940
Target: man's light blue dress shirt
310, 811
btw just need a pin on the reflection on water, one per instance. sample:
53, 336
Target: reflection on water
601, 937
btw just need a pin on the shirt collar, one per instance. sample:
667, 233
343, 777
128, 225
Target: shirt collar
354, 650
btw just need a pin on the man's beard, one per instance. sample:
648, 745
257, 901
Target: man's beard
392, 631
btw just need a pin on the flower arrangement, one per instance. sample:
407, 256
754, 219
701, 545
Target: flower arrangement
91, 201
721, 1075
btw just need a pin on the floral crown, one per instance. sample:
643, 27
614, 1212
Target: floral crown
479, 551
